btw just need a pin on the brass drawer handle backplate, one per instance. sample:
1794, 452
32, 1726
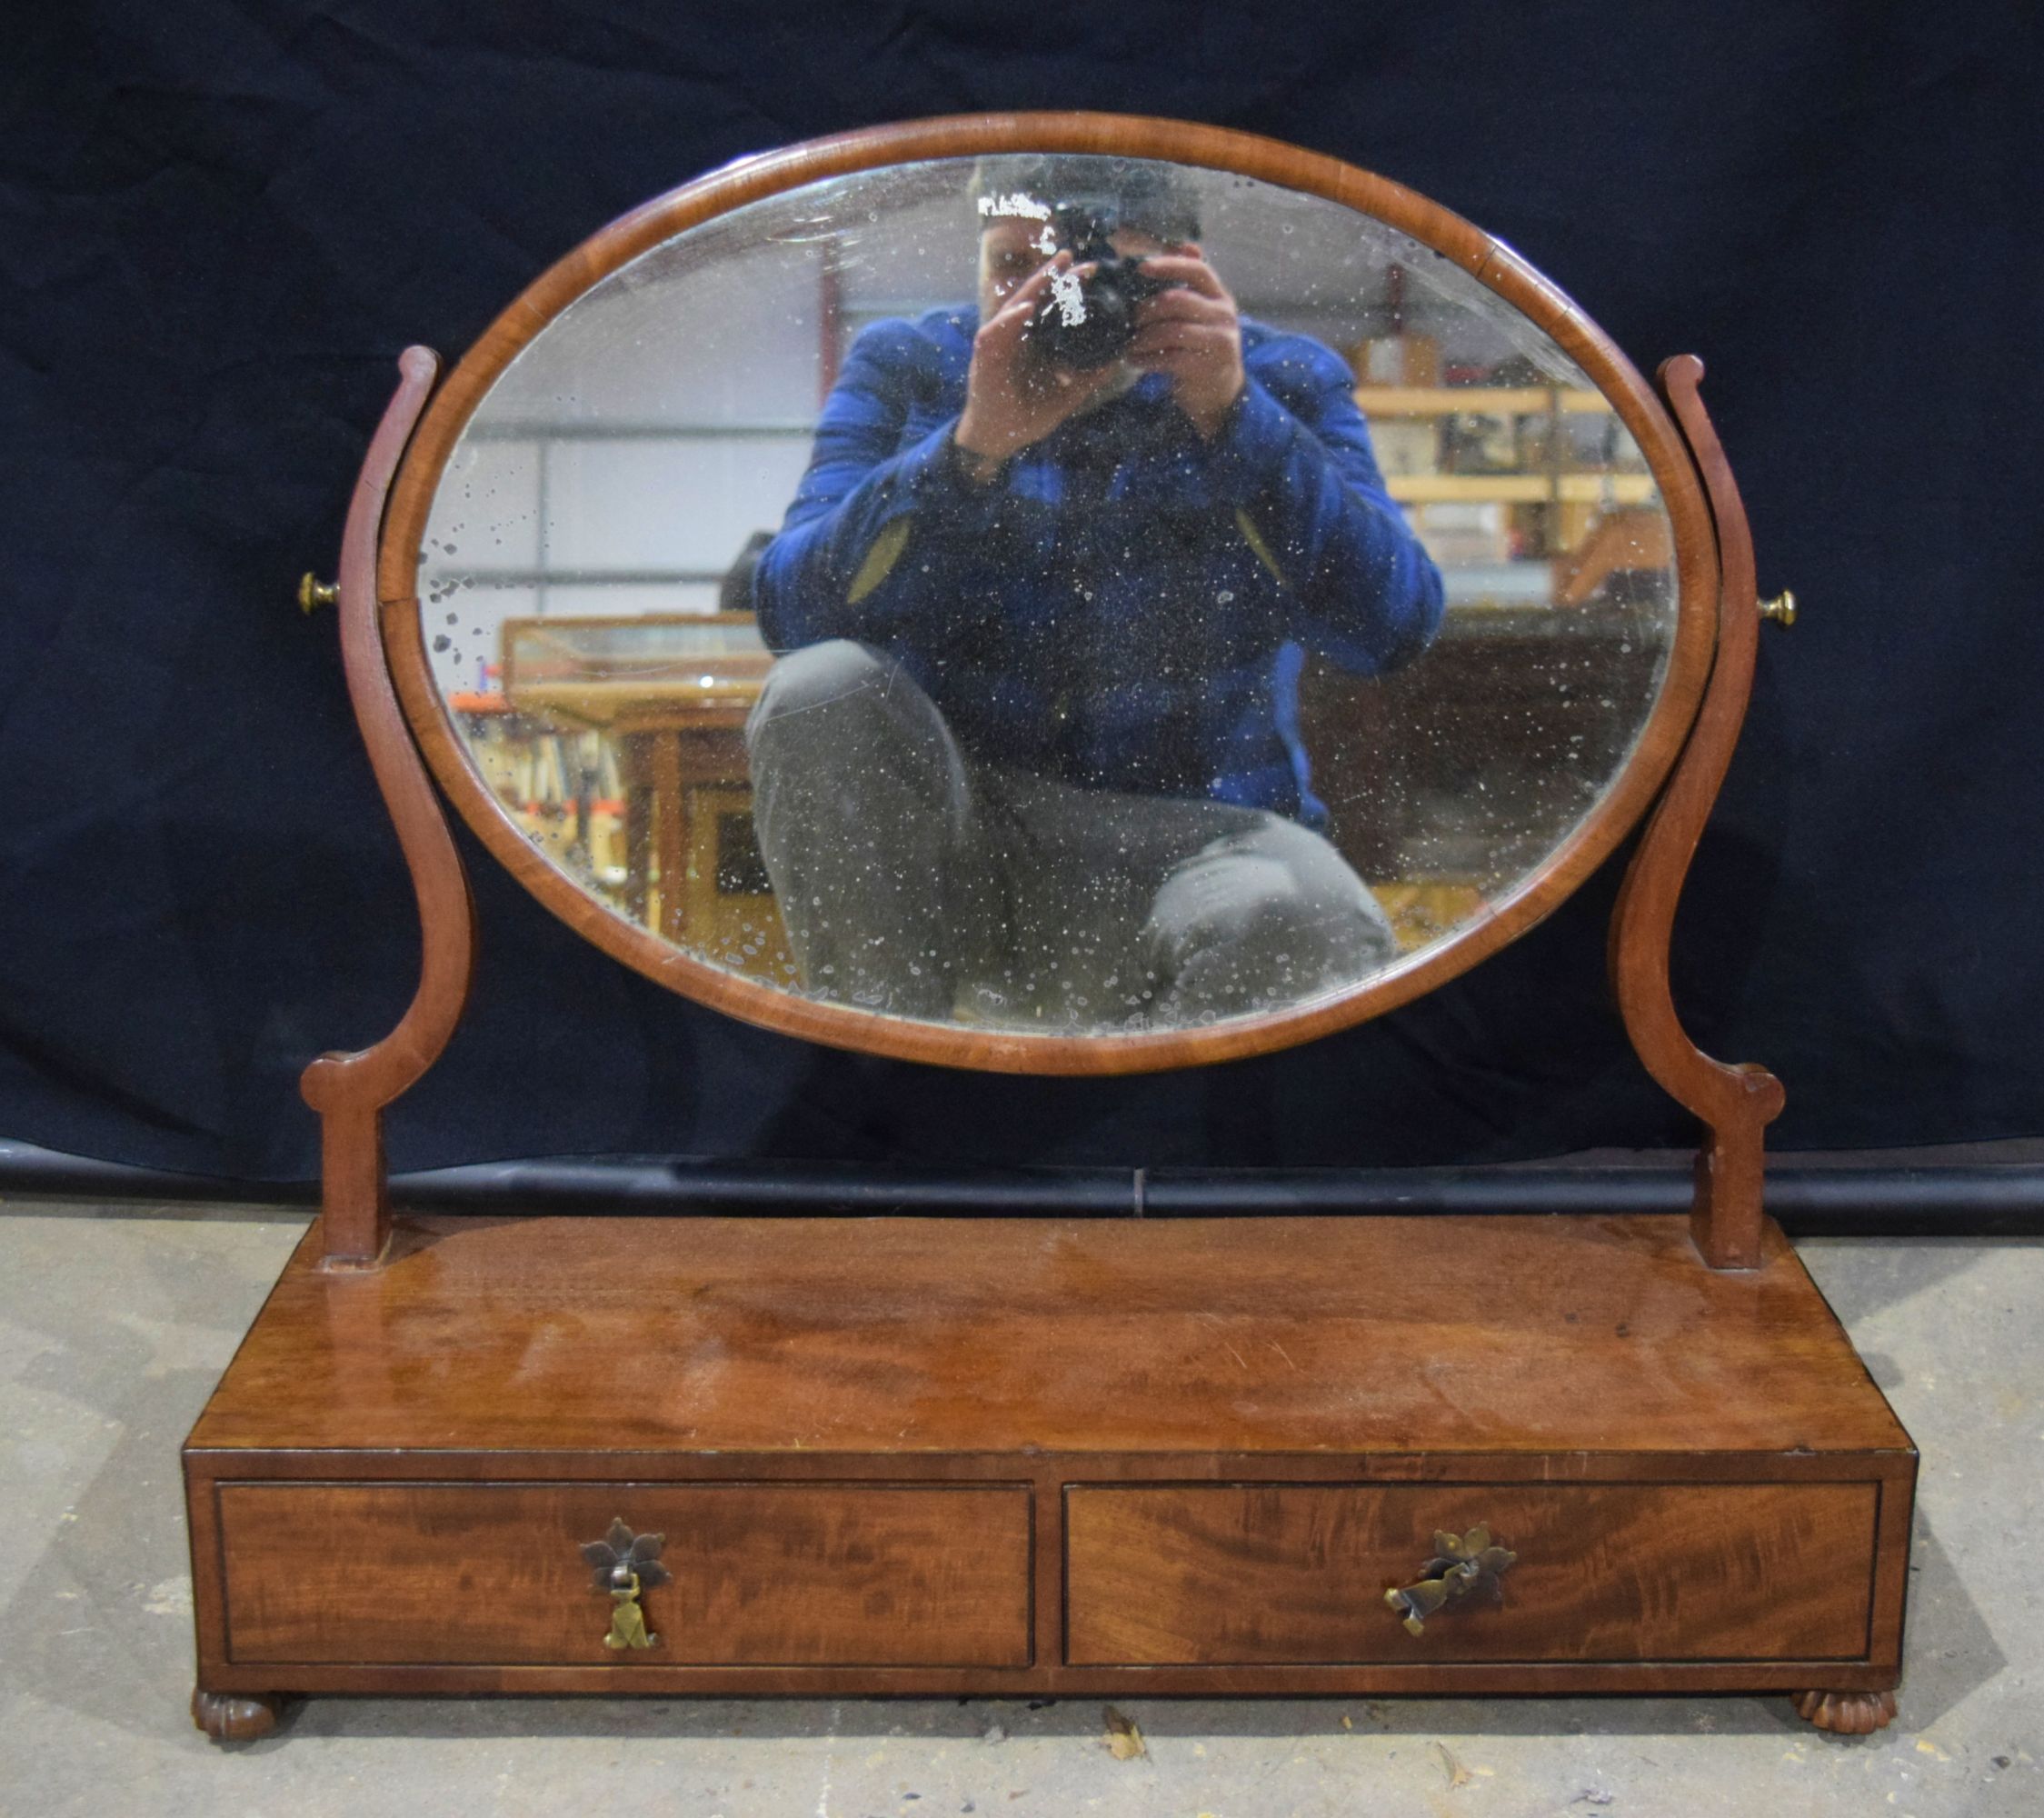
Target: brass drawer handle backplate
1461, 1564
625, 1564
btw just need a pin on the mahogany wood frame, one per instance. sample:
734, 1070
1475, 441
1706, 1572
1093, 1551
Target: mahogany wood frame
384, 643
1736, 1103
350, 1090
1490, 262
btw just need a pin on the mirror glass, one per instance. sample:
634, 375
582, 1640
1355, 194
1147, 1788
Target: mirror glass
1056, 594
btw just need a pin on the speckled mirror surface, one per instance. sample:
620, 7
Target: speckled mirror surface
1062, 593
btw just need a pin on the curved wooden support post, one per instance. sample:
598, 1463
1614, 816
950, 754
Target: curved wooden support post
350, 1090
1736, 1103
1847, 1714
234, 1716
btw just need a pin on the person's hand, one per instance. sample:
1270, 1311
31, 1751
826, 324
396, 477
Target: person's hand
1013, 395
1193, 334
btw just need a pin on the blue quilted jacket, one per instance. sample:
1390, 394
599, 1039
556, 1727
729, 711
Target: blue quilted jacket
1125, 606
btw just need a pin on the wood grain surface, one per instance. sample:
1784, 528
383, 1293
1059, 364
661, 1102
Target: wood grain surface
762, 1575
385, 1485
901, 1335
1736, 1101
1239, 1575
350, 1090
1501, 919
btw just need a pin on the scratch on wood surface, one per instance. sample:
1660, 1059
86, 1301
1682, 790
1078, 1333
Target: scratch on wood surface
1220, 1324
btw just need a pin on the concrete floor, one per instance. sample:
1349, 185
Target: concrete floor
115, 1323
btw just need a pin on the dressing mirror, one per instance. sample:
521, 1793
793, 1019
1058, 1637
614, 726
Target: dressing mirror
1026, 609
1059, 594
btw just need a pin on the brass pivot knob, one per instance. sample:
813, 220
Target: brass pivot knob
313, 592
1782, 609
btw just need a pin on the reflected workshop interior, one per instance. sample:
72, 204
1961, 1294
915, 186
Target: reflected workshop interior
586, 581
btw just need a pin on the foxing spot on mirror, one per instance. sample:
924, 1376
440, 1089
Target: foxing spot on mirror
1048, 593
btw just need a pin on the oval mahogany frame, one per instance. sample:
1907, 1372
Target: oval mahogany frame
752, 179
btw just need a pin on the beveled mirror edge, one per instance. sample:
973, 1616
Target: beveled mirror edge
1488, 260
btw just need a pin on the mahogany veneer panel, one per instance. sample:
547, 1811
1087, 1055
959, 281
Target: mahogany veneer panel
763, 1574
880, 1447
905, 1335
1240, 1575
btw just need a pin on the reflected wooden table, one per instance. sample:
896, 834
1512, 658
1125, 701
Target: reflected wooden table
692, 870
669, 694
688, 820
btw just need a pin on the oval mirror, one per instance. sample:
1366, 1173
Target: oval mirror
1058, 595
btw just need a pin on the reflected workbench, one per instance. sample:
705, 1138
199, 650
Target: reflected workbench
619, 742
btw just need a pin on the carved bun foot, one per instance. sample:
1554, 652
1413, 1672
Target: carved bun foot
234, 1716
1848, 1713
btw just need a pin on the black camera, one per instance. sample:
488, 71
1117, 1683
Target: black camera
1086, 322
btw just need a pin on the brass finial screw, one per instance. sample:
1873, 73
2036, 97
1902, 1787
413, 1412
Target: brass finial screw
1782, 609
313, 592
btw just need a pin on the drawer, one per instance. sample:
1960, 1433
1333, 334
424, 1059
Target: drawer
781, 1574
1295, 1575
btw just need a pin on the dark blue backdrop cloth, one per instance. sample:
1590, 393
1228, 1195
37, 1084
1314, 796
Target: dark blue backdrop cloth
223, 219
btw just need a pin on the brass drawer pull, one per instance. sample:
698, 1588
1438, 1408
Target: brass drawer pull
1462, 1563
626, 1565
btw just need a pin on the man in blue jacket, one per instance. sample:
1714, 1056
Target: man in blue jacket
1033, 753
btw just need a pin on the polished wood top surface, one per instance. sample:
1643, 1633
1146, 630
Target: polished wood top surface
836, 1335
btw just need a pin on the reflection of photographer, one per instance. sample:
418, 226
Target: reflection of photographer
1046, 590
1060, 334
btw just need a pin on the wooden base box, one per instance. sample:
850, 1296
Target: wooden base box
1026, 1456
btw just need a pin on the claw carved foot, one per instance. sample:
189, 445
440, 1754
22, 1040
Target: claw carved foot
1848, 1714
234, 1716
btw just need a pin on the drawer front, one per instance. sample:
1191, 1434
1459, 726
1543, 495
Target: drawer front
763, 1574
1295, 1575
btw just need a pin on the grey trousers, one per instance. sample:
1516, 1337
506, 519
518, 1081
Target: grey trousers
916, 881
